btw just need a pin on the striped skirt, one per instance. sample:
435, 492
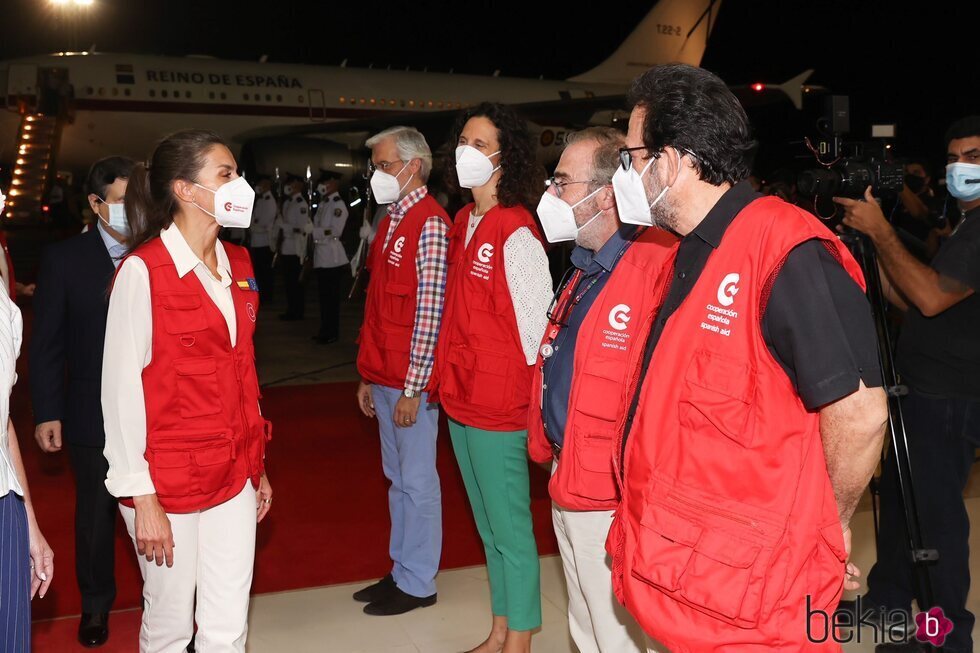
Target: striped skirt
15, 577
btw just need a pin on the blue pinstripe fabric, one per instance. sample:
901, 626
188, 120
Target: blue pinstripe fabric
15, 577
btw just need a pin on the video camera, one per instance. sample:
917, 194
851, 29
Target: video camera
847, 167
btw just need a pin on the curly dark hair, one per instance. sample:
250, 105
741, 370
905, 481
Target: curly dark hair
691, 108
521, 179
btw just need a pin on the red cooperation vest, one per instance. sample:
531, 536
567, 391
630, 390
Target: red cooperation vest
392, 297
483, 375
205, 435
728, 528
609, 347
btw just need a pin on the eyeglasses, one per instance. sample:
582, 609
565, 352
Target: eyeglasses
383, 166
626, 155
559, 186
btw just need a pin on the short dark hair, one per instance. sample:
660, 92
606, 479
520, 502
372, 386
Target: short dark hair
105, 172
963, 128
690, 108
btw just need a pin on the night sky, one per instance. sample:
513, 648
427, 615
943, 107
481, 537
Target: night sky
913, 63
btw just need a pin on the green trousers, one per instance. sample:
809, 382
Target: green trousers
494, 466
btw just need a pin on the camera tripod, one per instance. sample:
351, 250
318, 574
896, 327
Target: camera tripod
920, 556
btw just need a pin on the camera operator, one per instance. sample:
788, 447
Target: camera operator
938, 358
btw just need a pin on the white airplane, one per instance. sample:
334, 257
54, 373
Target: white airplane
65, 111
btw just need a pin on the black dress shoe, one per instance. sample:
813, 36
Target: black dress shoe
325, 340
93, 630
398, 602
375, 592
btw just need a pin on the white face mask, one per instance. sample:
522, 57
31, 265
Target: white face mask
232, 203
322, 190
558, 218
631, 196
117, 218
385, 187
473, 167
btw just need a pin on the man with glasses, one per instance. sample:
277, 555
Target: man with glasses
754, 423
593, 340
402, 314
70, 309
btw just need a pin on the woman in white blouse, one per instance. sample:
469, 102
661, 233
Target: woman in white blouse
185, 438
498, 288
26, 560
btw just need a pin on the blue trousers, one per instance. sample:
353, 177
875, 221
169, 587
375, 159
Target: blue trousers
408, 456
15, 576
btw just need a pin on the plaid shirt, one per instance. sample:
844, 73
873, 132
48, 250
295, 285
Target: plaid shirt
430, 265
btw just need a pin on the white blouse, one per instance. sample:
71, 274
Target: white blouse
128, 349
529, 280
11, 334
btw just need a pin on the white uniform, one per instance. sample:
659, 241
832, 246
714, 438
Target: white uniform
328, 225
296, 226
263, 217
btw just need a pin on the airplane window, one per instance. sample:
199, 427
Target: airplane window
115, 91
153, 93
211, 95
343, 100
363, 101
278, 98
411, 103
268, 97
127, 92
382, 101
245, 95
302, 99
163, 93
391, 103
372, 101
223, 96
176, 95
439, 105
101, 91
89, 90
403, 103
430, 104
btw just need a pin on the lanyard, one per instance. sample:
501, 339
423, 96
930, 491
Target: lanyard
564, 301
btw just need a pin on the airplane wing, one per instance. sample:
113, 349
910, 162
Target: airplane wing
436, 124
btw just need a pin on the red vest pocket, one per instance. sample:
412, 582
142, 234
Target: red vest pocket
183, 312
717, 397
664, 548
197, 386
189, 463
705, 556
399, 304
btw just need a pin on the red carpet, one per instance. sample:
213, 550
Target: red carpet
329, 523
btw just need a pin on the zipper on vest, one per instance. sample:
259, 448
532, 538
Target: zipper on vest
702, 507
241, 406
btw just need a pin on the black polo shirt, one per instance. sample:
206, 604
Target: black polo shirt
941, 354
826, 343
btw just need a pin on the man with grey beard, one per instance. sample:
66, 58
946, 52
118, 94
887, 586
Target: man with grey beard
605, 303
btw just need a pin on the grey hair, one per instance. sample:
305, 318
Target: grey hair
605, 159
411, 145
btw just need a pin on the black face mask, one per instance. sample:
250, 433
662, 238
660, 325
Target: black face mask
915, 183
